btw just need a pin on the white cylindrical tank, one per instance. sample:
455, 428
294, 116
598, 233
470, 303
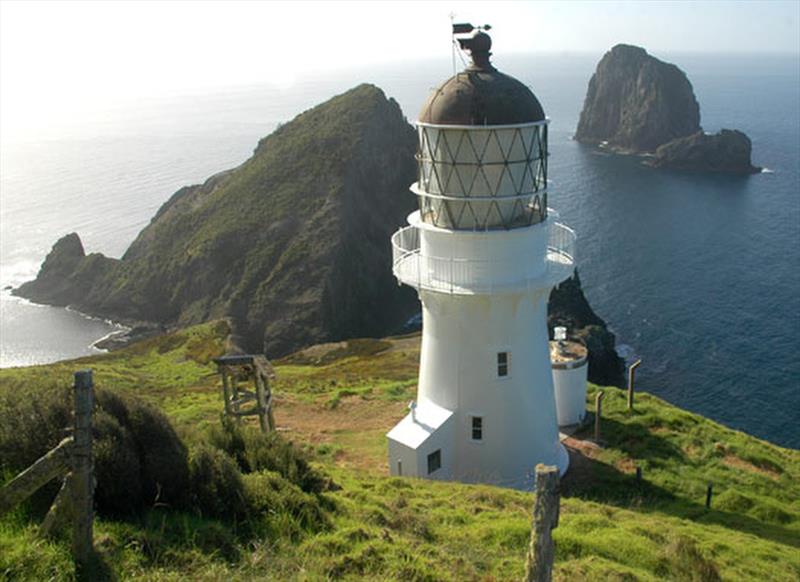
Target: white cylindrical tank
569, 361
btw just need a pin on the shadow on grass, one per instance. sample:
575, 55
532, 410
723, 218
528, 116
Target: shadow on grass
97, 569
594, 480
635, 440
744, 523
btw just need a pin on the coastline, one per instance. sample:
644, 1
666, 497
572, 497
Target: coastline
100, 336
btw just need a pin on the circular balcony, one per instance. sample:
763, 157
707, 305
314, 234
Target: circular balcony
482, 276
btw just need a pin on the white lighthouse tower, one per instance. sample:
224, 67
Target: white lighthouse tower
483, 251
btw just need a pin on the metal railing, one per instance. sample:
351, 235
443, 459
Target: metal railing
467, 276
561, 244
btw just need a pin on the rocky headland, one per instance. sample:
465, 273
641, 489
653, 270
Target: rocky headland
291, 246
569, 307
638, 104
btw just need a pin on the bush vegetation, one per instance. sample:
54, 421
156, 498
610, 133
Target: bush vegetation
139, 459
255, 451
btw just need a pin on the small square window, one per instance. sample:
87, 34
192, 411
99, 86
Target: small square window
434, 461
502, 364
477, 428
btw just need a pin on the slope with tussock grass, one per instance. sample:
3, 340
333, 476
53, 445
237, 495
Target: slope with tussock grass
260, 508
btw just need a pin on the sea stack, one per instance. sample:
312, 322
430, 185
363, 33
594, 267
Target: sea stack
483, 253
636, 102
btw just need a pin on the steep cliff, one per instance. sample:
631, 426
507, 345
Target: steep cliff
636, 102
291, 245
568, 307
727, 151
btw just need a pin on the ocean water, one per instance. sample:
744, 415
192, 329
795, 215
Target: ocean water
698, 275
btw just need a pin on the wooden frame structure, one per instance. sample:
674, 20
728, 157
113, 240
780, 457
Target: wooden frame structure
247, 366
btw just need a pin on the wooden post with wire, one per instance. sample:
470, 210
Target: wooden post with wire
598, 413
247, 367
541, 551
71, 457
631, 378
82, 469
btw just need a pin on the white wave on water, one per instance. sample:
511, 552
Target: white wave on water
120, 331
6, 295
767, 171
119, 326
625, 351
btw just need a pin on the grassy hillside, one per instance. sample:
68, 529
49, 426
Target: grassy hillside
338, 400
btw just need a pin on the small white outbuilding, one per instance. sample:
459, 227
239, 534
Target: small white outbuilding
570, 366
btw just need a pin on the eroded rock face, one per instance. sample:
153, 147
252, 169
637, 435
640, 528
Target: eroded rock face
727, 151
67, 274
568, 307
636, 102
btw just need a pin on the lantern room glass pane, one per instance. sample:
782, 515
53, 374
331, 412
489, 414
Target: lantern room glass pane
486, 163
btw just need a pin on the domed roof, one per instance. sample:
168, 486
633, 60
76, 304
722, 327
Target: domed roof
481, 95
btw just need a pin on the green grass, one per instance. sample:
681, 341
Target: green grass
378, 527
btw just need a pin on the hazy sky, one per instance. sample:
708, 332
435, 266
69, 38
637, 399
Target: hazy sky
64, 58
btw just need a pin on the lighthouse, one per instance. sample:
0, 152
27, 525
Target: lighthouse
483, 251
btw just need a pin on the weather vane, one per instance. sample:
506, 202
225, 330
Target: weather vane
463, 33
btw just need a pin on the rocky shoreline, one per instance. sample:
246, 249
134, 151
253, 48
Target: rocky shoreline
130, 334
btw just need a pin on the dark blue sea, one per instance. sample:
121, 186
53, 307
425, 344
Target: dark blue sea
698, 275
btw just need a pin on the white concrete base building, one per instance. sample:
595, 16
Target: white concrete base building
483, 253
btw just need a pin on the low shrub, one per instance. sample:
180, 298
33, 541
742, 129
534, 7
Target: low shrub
683, 560
216, 486
31, 423
255, 451
117, 466
733, 501
139, 459
288, 510
161, 455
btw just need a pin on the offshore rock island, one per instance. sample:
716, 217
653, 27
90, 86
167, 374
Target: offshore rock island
727, 151
638, 104
290, 246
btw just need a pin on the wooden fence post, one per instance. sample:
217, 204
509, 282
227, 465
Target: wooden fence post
82, 477
598, 413
541, 551
72, 456
631, 377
